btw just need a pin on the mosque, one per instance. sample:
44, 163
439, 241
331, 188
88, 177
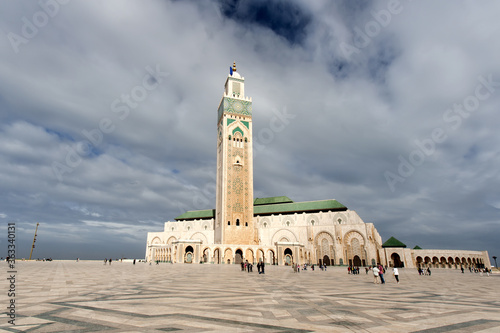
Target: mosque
278, 230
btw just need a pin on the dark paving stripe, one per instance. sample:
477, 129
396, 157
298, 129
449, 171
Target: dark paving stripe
174, 315
460, 326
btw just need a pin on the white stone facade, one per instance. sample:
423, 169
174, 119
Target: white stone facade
331, 238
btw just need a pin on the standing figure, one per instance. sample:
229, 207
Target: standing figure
381, 273
395, 272
375, 274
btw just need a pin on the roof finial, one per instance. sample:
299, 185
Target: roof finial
234, 66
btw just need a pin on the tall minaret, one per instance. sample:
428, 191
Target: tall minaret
234, 202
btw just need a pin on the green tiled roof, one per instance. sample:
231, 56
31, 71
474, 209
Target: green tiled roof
273, 205
298, 207
393, 242
417, 247
271, 200
197, 215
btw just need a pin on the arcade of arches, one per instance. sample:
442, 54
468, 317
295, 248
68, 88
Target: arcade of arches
326, 252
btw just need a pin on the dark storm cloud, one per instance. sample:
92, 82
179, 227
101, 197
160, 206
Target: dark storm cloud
288, 19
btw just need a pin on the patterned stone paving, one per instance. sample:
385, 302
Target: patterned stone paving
66, 296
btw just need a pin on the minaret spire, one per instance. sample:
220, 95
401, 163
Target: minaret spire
234, 66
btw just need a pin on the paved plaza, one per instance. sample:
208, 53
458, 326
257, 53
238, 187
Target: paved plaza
86, 296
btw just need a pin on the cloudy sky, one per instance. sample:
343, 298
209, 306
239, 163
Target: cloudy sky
108, 115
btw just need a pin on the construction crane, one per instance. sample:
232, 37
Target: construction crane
34, 239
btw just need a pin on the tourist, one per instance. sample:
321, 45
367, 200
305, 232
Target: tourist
262, 265
381, 274
242, 266
429, 271
375, 274
395, 272
134, 261
105, 261
366, 269
110, 261
462, 269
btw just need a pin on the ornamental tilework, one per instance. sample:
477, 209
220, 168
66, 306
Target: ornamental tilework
237, 106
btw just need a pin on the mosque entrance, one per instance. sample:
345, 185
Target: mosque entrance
326, 261
217, 256
396, 260
288, 257
238, 258
188, 257
356, 261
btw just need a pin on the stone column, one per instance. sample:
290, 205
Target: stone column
279, 255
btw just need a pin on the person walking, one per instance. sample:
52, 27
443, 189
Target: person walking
375, 274
381, 274
395, 272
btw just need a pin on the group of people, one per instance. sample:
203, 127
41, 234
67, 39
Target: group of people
354, 270
379, 271
422, 271
478, 270
297, 268
246, 266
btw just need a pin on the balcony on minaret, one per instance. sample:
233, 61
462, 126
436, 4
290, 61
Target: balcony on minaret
235, 87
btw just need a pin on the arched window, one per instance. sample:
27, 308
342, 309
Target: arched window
246, 224
228, 222
237, 222
230, 137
